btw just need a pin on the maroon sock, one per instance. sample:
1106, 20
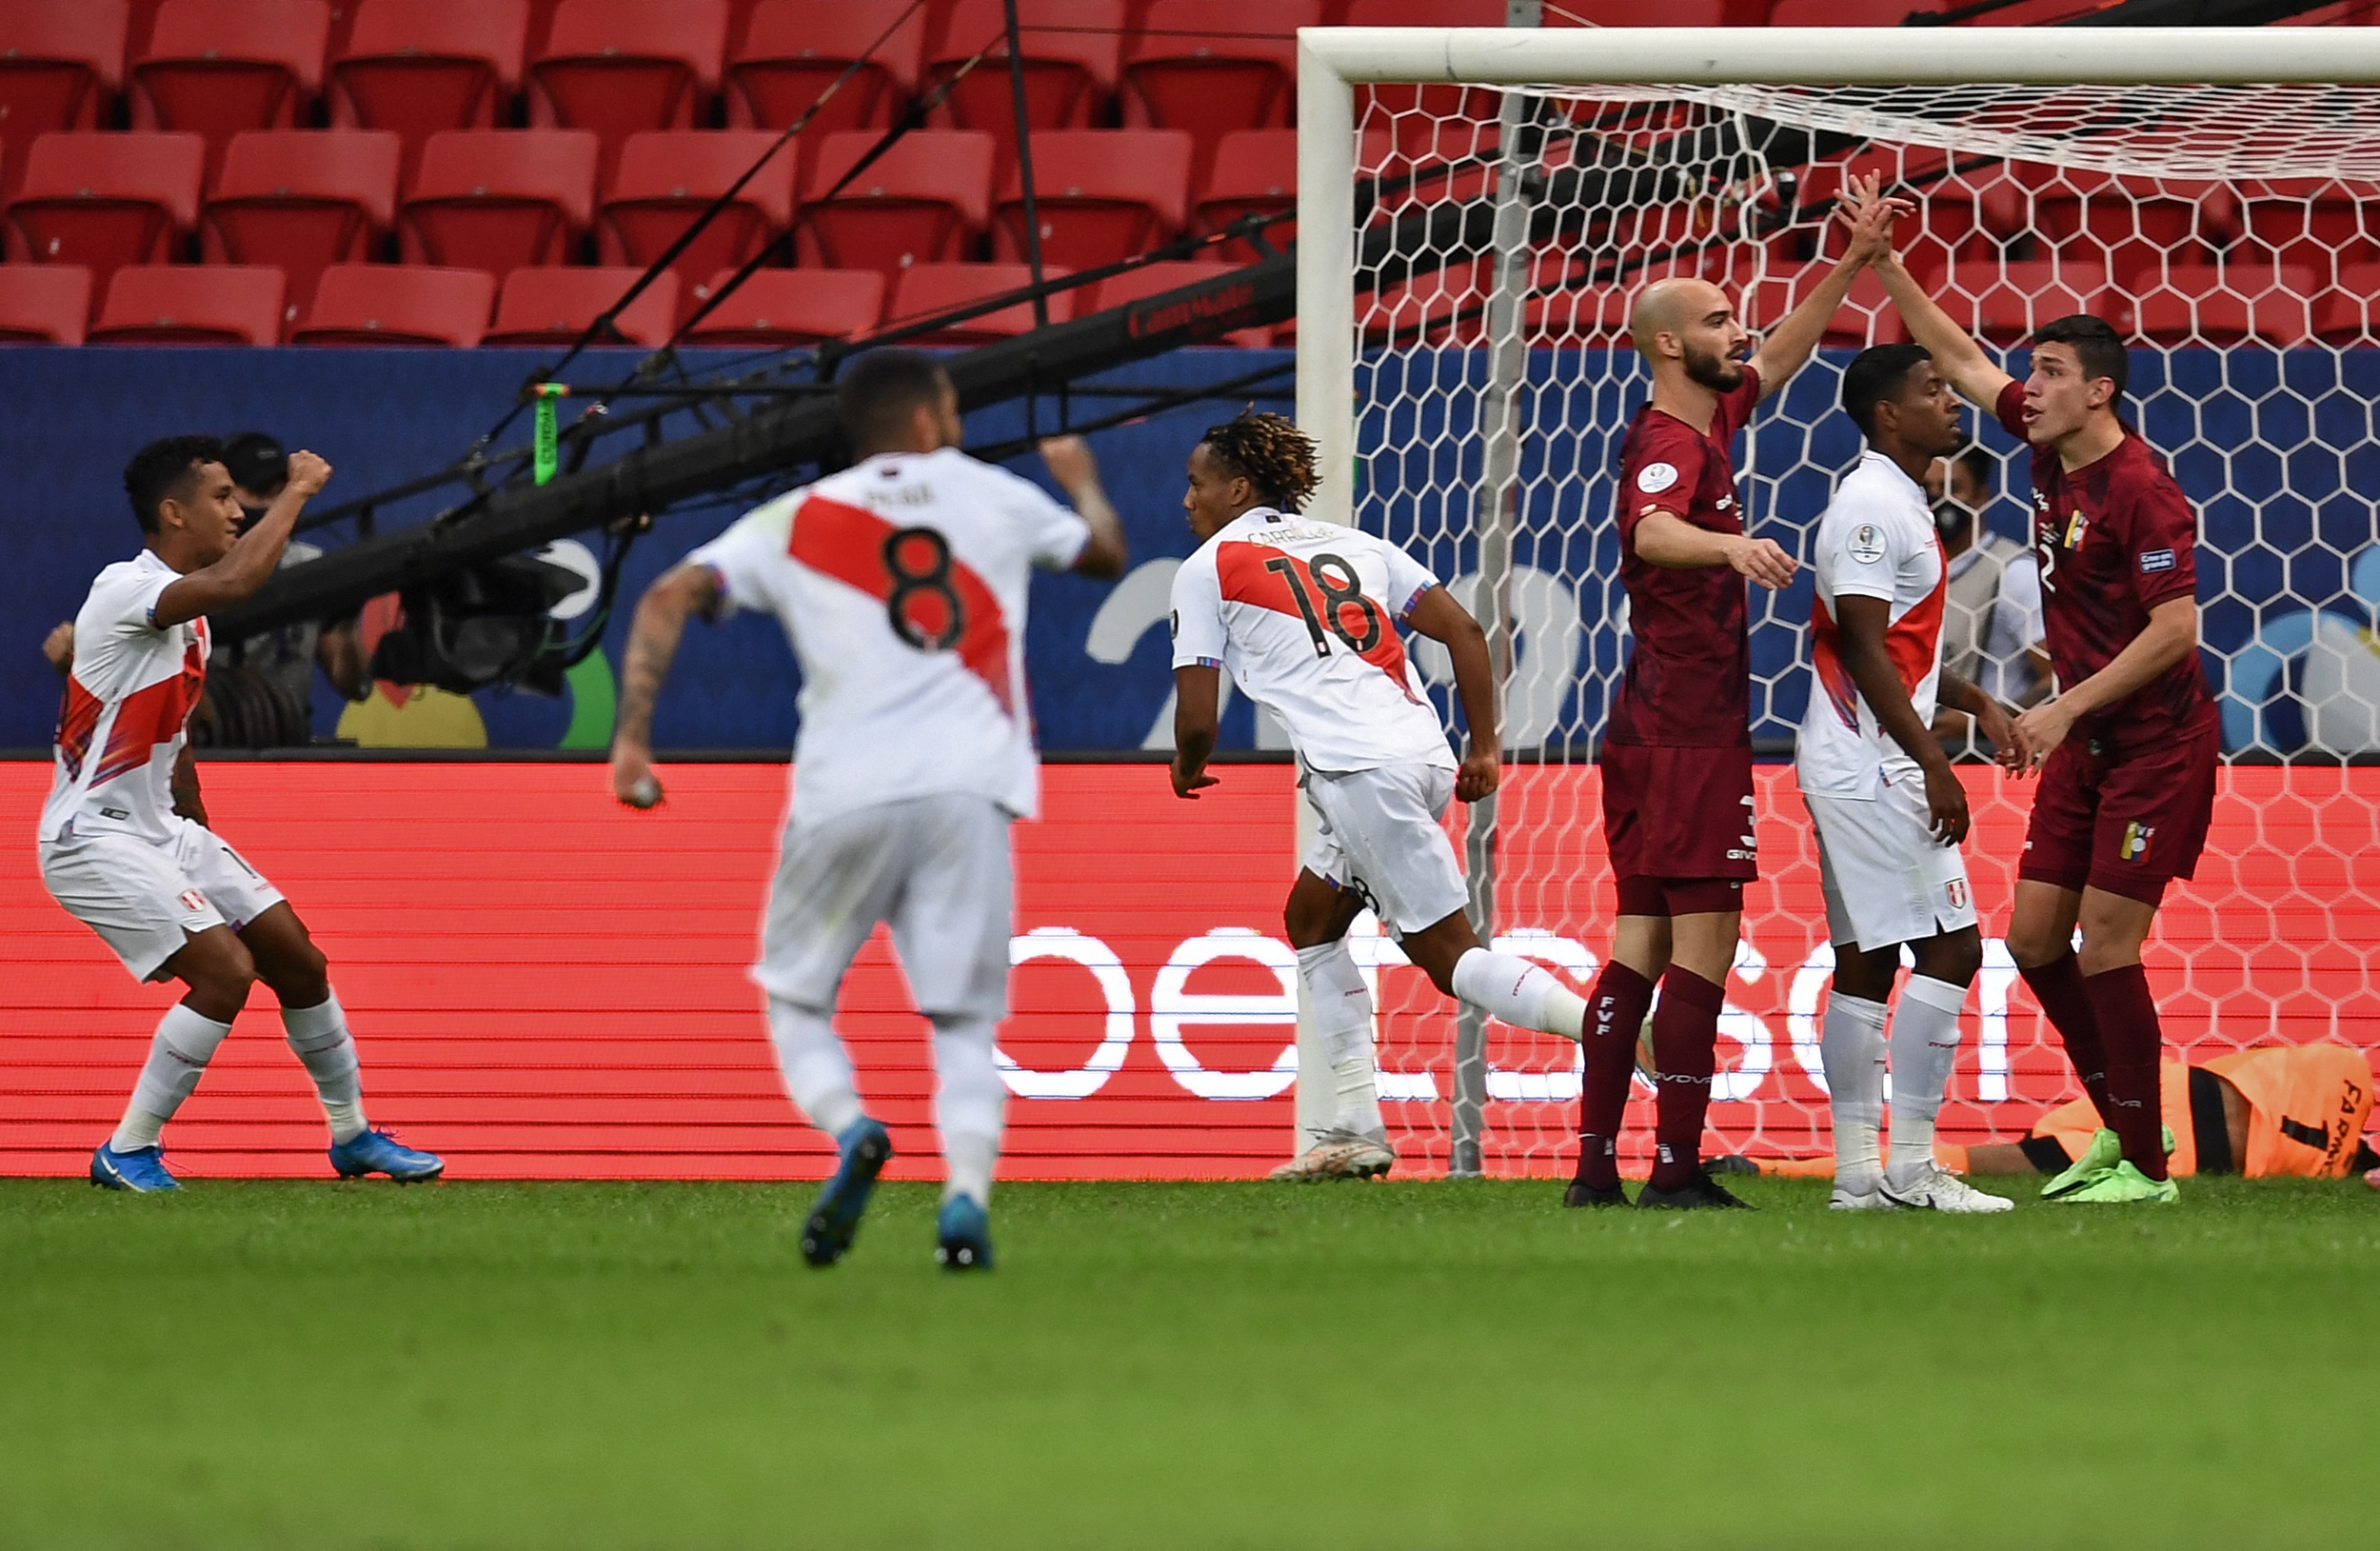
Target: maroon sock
1685, 1048
1615, 1015
2063, 993
2128, 1023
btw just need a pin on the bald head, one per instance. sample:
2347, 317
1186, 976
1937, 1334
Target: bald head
1687, 327
1669, 306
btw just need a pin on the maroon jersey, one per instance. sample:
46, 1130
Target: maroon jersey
2115, 538
1688, 684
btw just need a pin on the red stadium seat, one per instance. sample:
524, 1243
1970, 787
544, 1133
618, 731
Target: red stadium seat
1103, 196
1416, 111
59, 63
1867, 316
417, 66
302, 200
1254, 173
1070, 48
44, 304
218, 67
555, 305
925, 289
619, 66
668, 177
380, 304
1841, 13
2324, 224
497, 199
793, 306
2346, 315
2003, 303
2223, 304
2128, 224
1644, 13
105, 200
1155, 279
926, 201
794, 50
191, 304
1211, 67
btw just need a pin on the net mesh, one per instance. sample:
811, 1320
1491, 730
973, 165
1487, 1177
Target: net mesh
2232, 234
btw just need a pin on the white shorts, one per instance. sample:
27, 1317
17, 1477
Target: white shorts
1886, 879
1380, 836
144, 899
936, 868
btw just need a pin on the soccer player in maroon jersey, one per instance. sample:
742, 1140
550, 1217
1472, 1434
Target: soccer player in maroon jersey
2127, 752
1677, 755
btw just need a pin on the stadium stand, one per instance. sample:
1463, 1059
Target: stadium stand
44, 304
375, 304
217, 67
1255, 171
1196, 67
302, 200
2319, 224
497, 199
1102, 195
616, 67
105, 200
1849, 12
779, 308
1165, 275
926, 201
555, 305
189, 303
416, 67
794, 50
1070, 49
60, 67
667, 178
925, 289
2346, 313
2221, 303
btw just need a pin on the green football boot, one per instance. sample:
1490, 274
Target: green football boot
2103, 1153
2125, 1185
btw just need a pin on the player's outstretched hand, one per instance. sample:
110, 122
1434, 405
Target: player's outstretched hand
1188, 784
309, 472
1070, 461
1946, 804
632, 778
1482, 772
2040, 731
1762, 560
1868, 214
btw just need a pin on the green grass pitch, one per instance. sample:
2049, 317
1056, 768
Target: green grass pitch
1406, 1364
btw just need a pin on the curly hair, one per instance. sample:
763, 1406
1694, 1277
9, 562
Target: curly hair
164, 468
1270, 453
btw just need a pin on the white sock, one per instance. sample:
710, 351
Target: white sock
1850, 1048
816, 1066
970, 1106
1342, 1006
320, 1037
1519, 993
178, 1055
1925, 1044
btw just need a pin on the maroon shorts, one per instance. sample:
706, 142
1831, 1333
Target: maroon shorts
2123, 823
1678, 822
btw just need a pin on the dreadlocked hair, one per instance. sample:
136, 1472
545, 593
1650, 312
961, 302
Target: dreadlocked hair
1270, 453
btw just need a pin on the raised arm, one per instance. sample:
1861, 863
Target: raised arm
1786, 348
1956, 353
653, 637
1070, 463
253, 557
1437, 615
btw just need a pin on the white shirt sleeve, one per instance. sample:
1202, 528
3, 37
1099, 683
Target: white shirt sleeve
1054, 536
1199, 632
1407, 580
125, 604
747, 557
1860, 552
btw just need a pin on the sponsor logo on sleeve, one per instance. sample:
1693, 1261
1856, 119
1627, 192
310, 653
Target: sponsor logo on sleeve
1655, 477
1867, 544
2156, 560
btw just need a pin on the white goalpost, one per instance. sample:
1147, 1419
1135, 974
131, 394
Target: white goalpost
1475, 206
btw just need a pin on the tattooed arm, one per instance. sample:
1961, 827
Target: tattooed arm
661, 617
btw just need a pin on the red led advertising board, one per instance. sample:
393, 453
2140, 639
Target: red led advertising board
545, 984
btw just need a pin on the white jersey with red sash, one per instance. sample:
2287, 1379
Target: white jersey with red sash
1303, 615
127, 704
901, 582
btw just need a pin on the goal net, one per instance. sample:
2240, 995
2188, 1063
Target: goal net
1497, 233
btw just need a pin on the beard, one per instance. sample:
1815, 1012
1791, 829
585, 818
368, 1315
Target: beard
1714, 372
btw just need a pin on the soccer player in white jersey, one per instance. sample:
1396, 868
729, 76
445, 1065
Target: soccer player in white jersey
1889, 811
1303, 615
125, 846
901, 583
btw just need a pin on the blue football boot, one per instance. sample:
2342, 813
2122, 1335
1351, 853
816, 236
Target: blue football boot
963, 1232
143, 1169
834, 1220
377, 1152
